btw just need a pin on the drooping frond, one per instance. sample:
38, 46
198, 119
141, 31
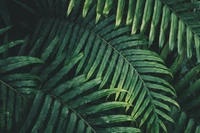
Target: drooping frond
74, 116
107, 54
16, 92
188, 90
16, 87
127, 68
76, 73
13, 108
174, 23
58, 101
183, 122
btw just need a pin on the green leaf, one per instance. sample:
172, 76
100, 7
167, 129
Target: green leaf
80, 89
86, 7
72, 123
163, 115
5, 47
130, 13
96, 61
146, 115
120, 11
2, 30
119, 129
185, 80
164, 25
173, 31
75, 82
94, 96
61, 73
12, 63
107, 7
19, 77
142, 108
49, 49
53, 117
103, 107
111, 119
71, 6
197, 45
181, 30
189, 42
33, 112
137, 16
155, 21
81, 126
160, 87
197, 129
146, 15
99, 9
162, 125
162, 105
164, 98
139, 102
43, 114
190, 125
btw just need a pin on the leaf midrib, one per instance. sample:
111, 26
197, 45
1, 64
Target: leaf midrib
146, 88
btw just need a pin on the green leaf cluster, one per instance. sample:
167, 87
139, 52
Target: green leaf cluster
102, 66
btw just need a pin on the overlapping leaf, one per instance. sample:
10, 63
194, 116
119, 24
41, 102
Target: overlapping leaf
142, 13
16, 87
183, 122
111, 55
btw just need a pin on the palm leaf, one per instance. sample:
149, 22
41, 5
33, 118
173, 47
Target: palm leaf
87, 61
182, 24
118, 62
183, 123
16, 89
13, 108
12, 63
76, 122
27, 86
189, 90
129, 64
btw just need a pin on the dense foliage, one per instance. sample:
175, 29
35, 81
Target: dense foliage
79, 66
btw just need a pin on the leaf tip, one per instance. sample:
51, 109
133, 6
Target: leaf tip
97, 18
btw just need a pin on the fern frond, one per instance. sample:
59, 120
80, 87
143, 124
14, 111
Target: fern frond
112, 55
13, 108
188, 88
183, 122
174, 15
77, 118
121, 62
17, 88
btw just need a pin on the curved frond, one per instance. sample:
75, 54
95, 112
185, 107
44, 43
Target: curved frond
76, 113
112, 55
176, 23
16, 88
188, 91
109, 59
14, 107
82, 71
183, 122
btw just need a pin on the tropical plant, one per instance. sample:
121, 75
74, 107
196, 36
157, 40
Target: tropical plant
100, 66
